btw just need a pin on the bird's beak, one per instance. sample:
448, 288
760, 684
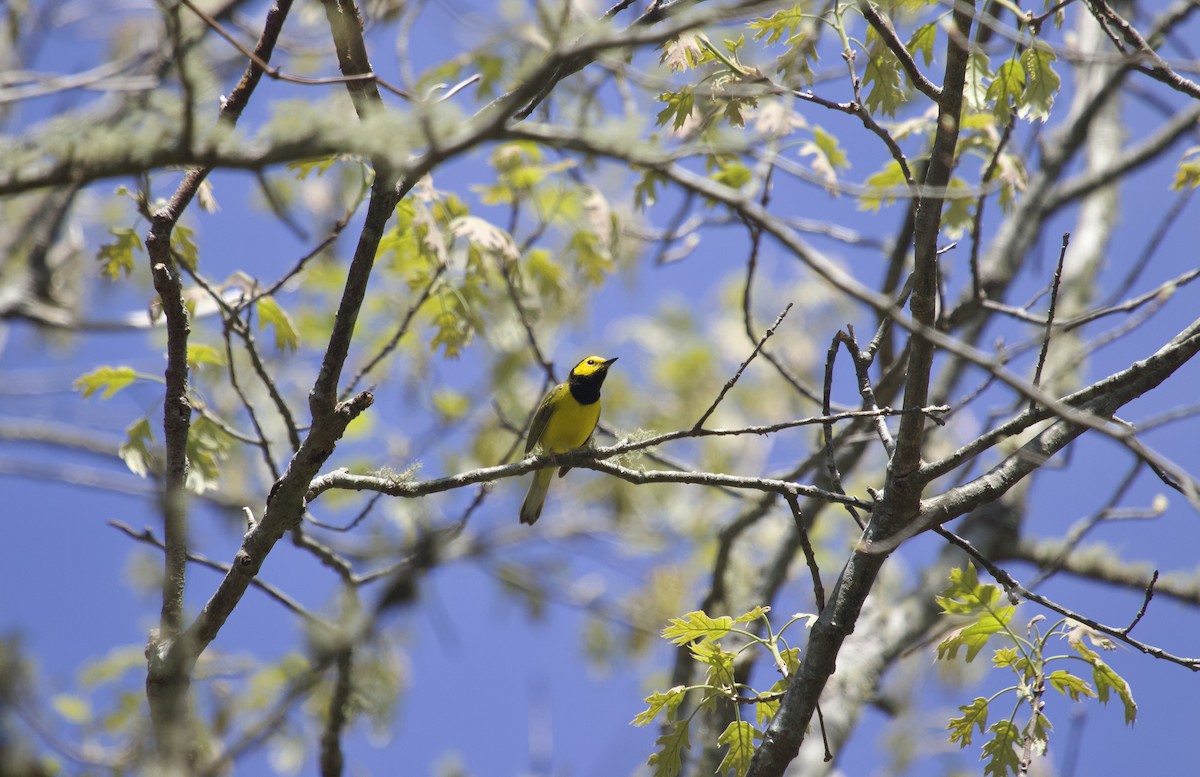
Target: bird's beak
608, 362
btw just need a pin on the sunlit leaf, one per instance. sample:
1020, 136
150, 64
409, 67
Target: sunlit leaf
752, 615
73, 709
697, 625
116, 258
136, 452
1041, 84
1000, 752
719, 662
106, 380
739, 738
200, 354
668, 759
1187, 175
1070, 685
781, 25
183, 243
274, 316
1005, 90
974, 715
922, 41
669, 701
883, 76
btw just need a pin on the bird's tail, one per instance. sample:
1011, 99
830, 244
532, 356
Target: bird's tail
531, 509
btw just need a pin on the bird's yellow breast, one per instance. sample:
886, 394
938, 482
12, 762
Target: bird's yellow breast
570, 425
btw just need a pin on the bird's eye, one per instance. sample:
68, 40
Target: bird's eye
591, 361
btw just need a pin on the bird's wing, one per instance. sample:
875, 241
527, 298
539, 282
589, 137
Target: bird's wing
542, 417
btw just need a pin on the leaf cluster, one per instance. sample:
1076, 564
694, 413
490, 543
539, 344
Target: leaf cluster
714, 644
1008, 747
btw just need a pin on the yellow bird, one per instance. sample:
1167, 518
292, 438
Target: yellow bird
563, 422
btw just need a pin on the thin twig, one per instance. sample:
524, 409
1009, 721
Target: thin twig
271, 591
810, 557
1054, 287
1145, 603
831, 468
387, 348
730, 383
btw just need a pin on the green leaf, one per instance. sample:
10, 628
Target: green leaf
973, 714
752, 615
882, 187
184, 246
136, 452
592, 257
883, 75
450, 405
271, 314
765, 709
979, 75
1041, 85
733, 174
116, 258
1105, 678
720, 664
965, 596
975, 636
697, 625
1006, 88
73, 709
959, 213
739, 736
645, 192
1070, 685
679, 107
670, 701
791, 659
671, 743
1187, 176
827, 156
452, 326
782, 25
114, 665
922, 41
107, 380
319, 166
1000, 752
199, 353
207, 446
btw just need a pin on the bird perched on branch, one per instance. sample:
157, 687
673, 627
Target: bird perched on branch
563, 422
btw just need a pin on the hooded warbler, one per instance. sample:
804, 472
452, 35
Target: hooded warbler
563, 422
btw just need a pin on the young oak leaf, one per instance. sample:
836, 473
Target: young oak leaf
720, 664
1000, 752
697, 625
1070, 685
116, 258
106, 380
739, 736
973, 714
659, 701
271, 314
671, 743
1106, 679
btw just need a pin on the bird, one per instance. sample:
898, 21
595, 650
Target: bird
564, 421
